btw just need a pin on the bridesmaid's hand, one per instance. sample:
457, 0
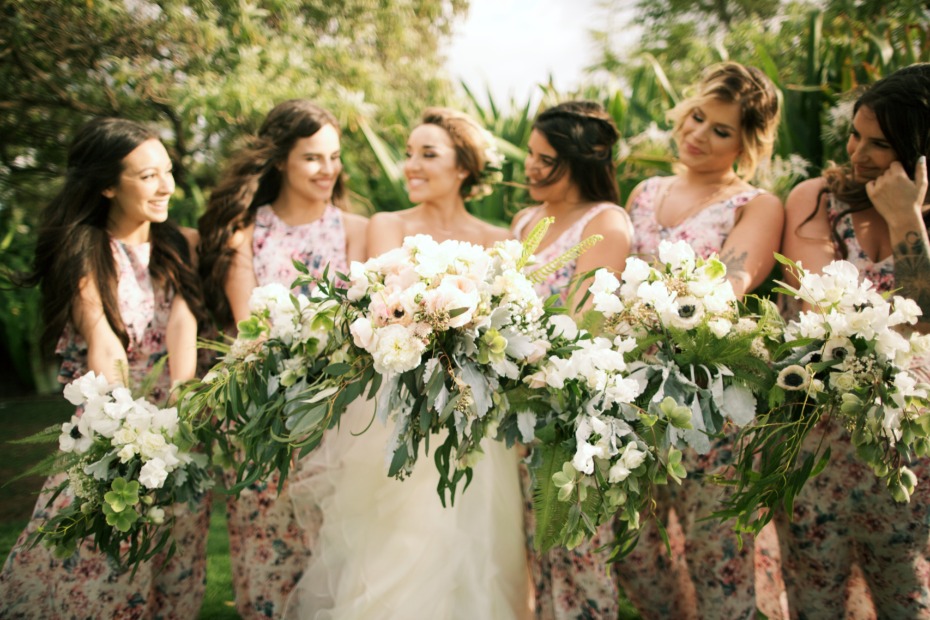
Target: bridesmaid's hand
897, 198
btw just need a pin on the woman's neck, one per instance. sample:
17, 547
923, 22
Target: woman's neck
294, 210
708, 178
129, 234
445, 213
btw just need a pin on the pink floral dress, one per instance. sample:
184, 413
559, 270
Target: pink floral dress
35, 584
576, 583
707, 575
269, 547
848, 538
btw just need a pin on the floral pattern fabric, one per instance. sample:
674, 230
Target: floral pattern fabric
276, 245
850, 548
35, 584
576, 583
269, 548
707, 575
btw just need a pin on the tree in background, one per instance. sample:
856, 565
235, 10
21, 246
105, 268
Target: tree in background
207, 71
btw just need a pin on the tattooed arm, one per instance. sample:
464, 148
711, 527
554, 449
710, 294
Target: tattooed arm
749, 250
900, 201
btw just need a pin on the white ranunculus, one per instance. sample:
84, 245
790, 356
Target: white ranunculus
363, 334
127, 452
397, 350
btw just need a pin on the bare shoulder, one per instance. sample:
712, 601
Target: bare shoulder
804, 197
354, 223
242, 238
635, 194
519, 217
612, 218
765, 202
492, 234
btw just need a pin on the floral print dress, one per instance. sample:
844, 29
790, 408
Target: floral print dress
34, 583
845, 518
269, 544
576, 583
707, 574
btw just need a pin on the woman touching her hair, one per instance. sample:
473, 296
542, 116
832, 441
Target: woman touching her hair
722, 132
119, 292
872, 213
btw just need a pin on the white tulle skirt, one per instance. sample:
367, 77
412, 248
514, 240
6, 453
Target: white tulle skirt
387, 549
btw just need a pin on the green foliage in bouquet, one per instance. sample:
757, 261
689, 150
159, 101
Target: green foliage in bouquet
286, 378
131, 470
842, 362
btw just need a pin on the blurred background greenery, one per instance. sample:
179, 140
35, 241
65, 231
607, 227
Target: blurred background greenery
207, 72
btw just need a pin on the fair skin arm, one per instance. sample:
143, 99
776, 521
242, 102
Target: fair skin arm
808, 243
181, 331
385, 232
749, 250
105, 353
240, 278
356, 228
900, 201
610, 252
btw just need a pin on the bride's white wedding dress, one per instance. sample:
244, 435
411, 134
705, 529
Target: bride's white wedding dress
387, 549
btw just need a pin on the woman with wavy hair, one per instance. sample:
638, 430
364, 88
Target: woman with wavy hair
723, 131
570, 171
118, 294
388, 549
871, 212
275, 204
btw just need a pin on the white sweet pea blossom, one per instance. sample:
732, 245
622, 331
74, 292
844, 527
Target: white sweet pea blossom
153, 474
679, 256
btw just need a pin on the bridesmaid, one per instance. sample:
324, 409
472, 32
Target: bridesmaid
723, 132
570, 170
873, 213
275, 203
118, 292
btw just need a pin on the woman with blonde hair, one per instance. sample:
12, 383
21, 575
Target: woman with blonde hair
722, 132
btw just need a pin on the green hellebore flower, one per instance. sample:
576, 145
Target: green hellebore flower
121, 520
678, 415
122, 495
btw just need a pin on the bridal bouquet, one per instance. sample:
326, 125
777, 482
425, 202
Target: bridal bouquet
129, 466
450, 327
287, 377
693, 342
843, 358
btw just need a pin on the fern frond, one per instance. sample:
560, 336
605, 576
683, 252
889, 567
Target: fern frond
533, 240
566, 257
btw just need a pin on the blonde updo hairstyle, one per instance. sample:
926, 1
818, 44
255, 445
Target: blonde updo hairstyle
472, 144
731, 82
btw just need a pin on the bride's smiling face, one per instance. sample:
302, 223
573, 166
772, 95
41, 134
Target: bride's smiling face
431, 168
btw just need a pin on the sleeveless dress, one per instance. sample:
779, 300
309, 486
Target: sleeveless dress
268, 547
725, 581
847, 536
34, 584
388, 549
568, 583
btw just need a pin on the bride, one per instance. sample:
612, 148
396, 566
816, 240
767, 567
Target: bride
388, 549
